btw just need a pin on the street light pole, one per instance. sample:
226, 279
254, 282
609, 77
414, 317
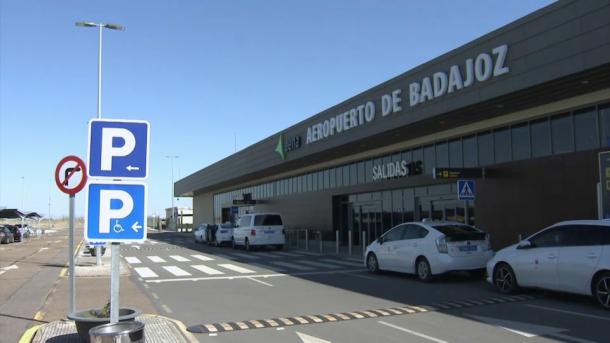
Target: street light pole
114, 247
171, 161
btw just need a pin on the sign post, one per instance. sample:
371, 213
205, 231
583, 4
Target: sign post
69, 168
116, 205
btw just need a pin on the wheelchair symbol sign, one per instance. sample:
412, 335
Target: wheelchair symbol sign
116, 212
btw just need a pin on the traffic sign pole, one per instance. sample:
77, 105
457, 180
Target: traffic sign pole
64, 185
115, 274
71, 258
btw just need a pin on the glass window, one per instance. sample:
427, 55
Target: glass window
361, 177
604, 115
562, 134
345, 171
418, 155
429, 160
541, 138
583, 235
314, 181
585, 130
244, 221
327, 179
368, 171
394, 235
309, 182
469, 145
387, 210
502, 145
353, 173
442, 155
320, 180
547, 238
408, 205
520, 141
455, 154
486, 148
406, 156
332, 177
413, 231
397, 207
339, 176
267, 220
299, 183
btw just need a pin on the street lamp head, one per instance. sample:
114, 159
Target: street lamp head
115, 27
86, 24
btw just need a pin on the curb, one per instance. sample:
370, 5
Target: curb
30, 333
188, 335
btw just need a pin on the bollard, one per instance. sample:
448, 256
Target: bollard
349, 242
363, 242
306, 239
337, 242
320, 237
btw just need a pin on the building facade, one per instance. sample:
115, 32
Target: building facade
525, 108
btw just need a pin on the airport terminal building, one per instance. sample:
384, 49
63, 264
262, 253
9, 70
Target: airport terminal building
523, 111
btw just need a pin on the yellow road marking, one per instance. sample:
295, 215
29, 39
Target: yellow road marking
28, 335
39, 316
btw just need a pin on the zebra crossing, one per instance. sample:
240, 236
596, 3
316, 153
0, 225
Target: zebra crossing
191, 264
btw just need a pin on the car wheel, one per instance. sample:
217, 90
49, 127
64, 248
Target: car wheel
372, 264
504, 279
601, 290
424, 273
247, 245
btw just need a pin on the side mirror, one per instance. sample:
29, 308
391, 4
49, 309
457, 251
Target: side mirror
524, 244
380, 240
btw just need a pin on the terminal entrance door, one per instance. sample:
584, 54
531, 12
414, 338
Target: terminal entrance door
361, 217
444, 208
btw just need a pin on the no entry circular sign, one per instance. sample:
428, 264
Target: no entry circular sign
71, 175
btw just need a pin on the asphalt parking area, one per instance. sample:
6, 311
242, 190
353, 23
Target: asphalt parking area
227, 295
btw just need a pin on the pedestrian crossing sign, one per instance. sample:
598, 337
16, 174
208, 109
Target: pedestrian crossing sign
465, 189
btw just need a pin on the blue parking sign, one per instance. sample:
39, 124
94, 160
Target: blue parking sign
118, 149
116, 212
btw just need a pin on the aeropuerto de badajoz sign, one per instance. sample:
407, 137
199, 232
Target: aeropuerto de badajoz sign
481, 68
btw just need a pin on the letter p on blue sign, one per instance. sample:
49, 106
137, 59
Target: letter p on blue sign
118, 149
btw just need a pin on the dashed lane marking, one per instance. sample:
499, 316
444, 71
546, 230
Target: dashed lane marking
203, 258
156, 259
207, 270
179, 258
236, 268
133, 260
334, 317
145, 272
177, 271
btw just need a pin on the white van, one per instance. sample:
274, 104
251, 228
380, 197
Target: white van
259, 229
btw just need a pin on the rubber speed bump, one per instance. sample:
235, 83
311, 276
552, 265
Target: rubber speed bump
337, 317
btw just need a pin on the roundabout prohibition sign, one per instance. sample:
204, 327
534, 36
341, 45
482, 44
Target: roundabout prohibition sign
71, 166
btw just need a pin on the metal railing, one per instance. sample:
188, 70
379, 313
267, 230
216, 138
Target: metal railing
325, 241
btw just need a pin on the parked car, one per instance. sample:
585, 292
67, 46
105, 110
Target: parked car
16, 233
6, 236
429, 248
259, 230
571, 256
222, 234
200, 233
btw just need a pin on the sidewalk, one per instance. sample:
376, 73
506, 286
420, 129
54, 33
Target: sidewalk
93, 291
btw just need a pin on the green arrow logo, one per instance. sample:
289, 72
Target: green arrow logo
280, 147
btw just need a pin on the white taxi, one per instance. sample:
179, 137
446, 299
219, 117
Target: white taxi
429, 248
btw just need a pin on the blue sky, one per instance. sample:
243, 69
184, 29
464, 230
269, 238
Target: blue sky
201, 72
